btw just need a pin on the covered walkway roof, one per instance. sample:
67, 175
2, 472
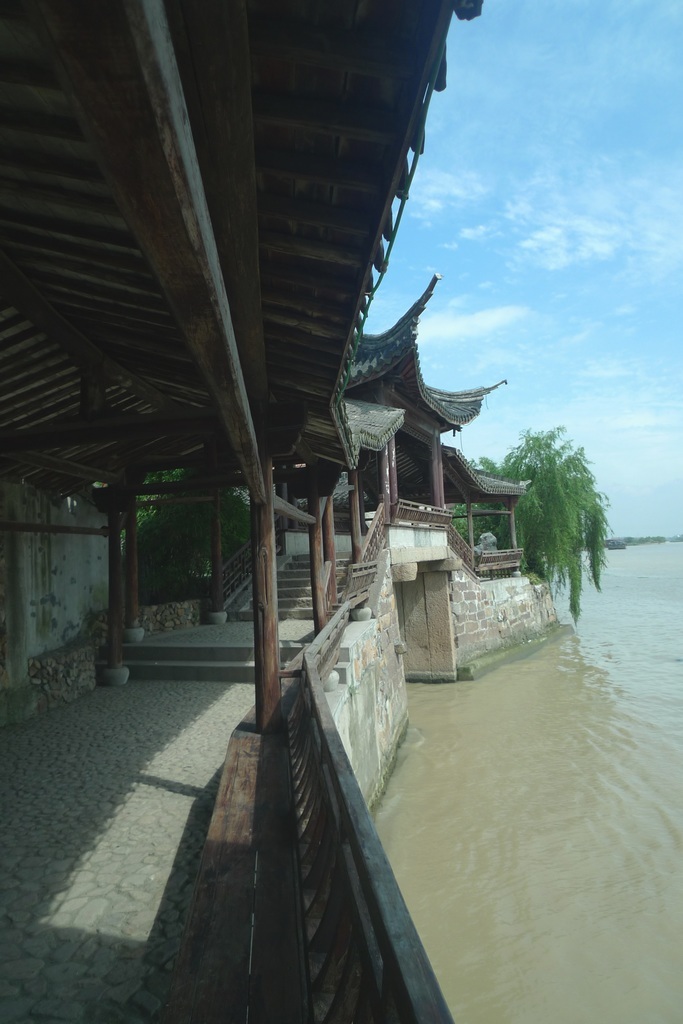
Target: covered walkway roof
192, 198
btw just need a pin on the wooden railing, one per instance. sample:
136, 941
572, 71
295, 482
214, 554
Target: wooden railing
237, 568
365, 959
461, 548
359, 579
499, 563
415, 514
375, 537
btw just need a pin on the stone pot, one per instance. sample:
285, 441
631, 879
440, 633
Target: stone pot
133, 634
216, 618
332, 682
115, 676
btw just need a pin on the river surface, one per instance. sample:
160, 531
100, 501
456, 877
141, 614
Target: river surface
535, 818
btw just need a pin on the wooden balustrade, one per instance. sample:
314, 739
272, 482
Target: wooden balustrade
413, 513
499, 563
375, 537
365, 959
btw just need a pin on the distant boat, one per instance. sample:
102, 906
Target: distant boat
615, 544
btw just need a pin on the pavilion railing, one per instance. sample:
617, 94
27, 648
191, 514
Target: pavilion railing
499, 563
366, 961
461, 548
416, 514
237, 568
374, 539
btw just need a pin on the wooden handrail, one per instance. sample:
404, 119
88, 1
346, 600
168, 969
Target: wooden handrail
374, 538
419, 514
461, 548
365, 956
237, 568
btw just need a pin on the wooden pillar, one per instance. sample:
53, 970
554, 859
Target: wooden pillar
354, 516
470, 523
264, 590
383, 482
437, 486
393, 473
115, 614
513, 528
216, 556
315, 545
330, 547
361, 504
132, 619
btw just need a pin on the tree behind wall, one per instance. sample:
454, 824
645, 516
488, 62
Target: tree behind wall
174, 543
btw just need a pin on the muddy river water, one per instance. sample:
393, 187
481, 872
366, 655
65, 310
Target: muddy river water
535, 818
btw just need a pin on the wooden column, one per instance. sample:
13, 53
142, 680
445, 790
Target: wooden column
437, 486
383, 482
264, 590
354, 516
470, 523
393, 473
115, 615
361, 504
513, 528
315, 544
132, 619
330, 547
216, 556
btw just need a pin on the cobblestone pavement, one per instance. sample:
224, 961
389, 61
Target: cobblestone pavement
104, 805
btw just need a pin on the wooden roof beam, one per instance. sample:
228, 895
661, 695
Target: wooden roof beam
320, 170
118, 62
25, 297
212, 44
60, 433
68, 467
353, 121
362, 52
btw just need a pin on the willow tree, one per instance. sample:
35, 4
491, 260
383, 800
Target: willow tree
562, 519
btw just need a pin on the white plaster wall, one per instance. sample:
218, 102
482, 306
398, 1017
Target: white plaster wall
53, 581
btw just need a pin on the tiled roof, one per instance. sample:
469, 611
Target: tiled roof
477, 479
371, 425
378, 354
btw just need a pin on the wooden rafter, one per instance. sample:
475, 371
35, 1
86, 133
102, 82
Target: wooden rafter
118, 63
25, 297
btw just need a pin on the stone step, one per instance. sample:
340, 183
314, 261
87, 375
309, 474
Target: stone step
247, 615
193, 671
178, 652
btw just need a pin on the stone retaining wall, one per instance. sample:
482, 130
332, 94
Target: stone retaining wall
491, 615
60, 675
370, 705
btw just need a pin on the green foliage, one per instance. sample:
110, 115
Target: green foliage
174, 542
562, 519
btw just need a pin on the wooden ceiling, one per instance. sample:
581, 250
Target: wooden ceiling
192, 199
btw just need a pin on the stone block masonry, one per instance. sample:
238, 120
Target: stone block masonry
370, 707
492, 615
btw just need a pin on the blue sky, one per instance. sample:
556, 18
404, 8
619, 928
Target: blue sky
550, 197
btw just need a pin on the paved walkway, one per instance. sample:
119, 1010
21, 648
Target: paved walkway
104, 805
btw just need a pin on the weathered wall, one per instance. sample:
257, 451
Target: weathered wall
370, 706
49, 585
492, 615
427, 626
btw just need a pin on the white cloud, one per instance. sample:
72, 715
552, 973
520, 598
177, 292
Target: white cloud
449, 326
598, 214
478, 233
434, 191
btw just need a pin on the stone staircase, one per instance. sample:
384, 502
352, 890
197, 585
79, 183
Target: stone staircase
294, 589
218, 663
